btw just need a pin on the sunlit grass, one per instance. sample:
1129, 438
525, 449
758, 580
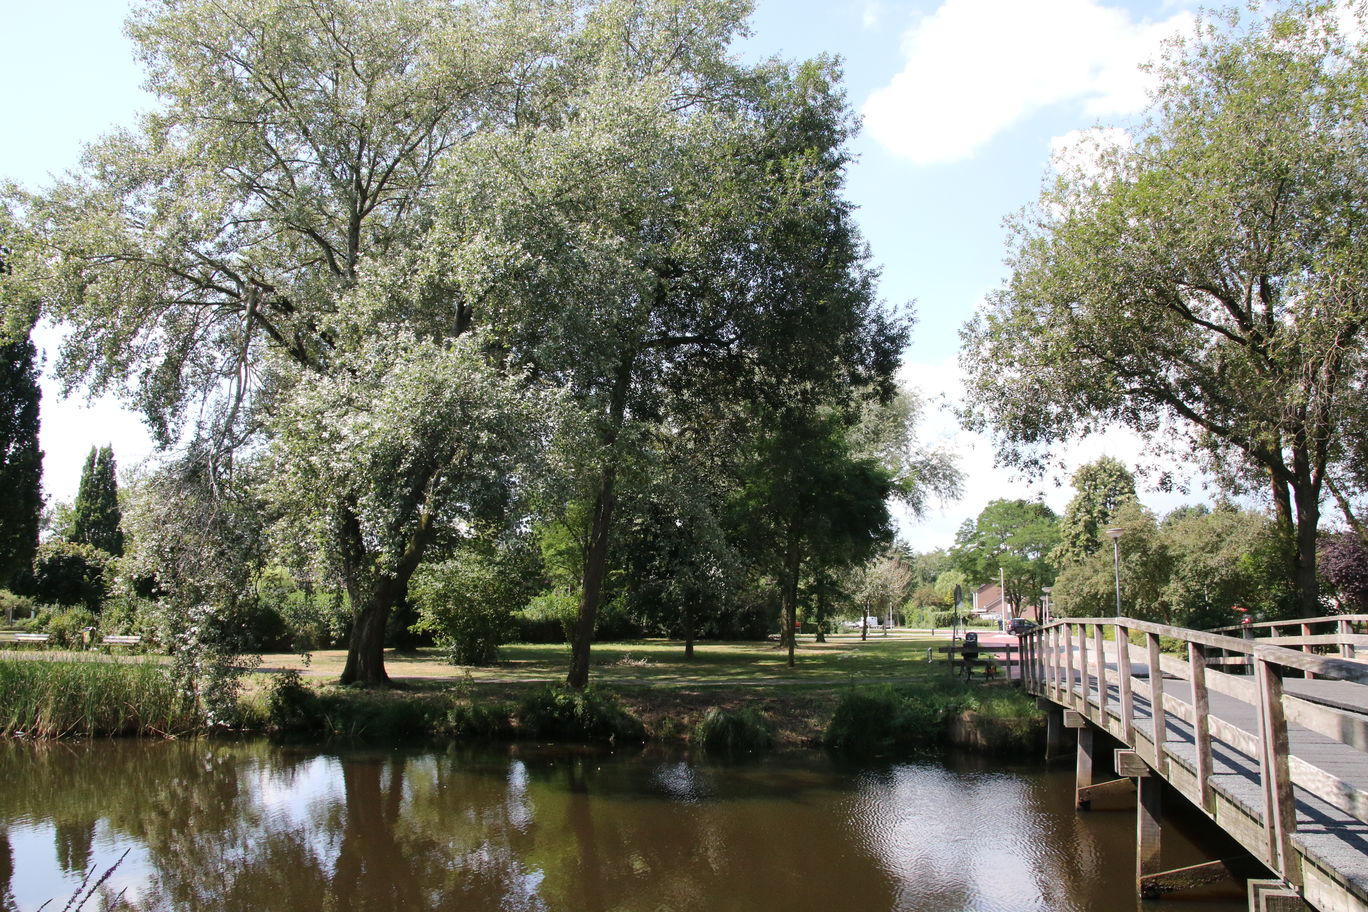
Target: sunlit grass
843, 658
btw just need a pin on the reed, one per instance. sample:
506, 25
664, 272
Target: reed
58, 699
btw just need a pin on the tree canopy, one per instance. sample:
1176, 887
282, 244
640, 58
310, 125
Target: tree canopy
1011, 540
96, 517
1189, 570
1207, 281
21, 462
1100, 488
396, 265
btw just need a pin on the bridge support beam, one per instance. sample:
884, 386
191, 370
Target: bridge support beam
1118, 794
1054, 729
1274, 896
1148, 830
1151, 880
1083, 764
1148, 818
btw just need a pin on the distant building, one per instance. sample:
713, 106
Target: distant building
988, 602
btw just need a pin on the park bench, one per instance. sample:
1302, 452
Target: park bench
989, 659
116, 639
37, 639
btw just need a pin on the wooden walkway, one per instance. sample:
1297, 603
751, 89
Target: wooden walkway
1269, 737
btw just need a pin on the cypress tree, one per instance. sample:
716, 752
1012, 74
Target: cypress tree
21, 462
97, 514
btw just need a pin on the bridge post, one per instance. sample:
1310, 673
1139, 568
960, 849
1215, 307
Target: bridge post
1123, 680
1148, 818
1083, 763
1280, 813
1054, 729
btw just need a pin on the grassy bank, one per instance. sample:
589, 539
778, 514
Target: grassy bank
53, 699
722, 696
737, 695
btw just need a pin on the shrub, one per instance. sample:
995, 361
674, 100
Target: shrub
68, 574
314, 623
65, 626
558, 607
467, 604
878, 720
863, 721
733, 730
292, 705
476, 720
559, 713
379, 715
14, 606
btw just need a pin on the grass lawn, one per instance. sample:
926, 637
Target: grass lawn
653, 680
843, 658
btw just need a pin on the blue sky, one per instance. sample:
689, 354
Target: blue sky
963, 101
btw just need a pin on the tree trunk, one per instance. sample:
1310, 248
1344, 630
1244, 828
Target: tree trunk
595, 572
821, 611
1287, 532
373, 596
688, 634
793, 560
596, 560
366, 647
1308, 522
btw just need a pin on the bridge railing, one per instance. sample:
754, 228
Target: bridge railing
1341, 633
1076, 662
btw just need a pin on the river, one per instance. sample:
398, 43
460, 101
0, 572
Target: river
250, 825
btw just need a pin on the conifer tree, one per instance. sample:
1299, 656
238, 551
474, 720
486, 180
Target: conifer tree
97, 515
21, 462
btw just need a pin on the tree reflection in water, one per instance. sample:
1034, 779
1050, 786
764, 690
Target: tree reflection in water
255, 826
7, 903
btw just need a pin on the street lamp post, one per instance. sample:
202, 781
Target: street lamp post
1115, 535
1045, 606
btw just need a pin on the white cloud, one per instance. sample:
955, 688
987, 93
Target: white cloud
941, 385
1350, 18
873, 12
1078, 154
975, 67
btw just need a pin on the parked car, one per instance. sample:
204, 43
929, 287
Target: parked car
1021, 625
856, 625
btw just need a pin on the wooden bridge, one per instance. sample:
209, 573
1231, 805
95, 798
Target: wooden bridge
1266, 731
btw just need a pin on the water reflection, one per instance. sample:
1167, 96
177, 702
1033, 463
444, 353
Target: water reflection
251, 825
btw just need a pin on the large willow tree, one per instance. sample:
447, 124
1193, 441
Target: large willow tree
210, 262
677, 249
375, 244
1209, 280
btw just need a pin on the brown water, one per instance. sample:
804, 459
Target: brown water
260, 827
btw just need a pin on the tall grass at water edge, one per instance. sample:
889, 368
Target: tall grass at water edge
900, 718
82, 699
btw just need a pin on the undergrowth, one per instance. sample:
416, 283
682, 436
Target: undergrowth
561, 714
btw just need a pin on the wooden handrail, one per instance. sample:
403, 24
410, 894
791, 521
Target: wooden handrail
1068, 658
1295, 622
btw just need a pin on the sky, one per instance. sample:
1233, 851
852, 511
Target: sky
964, 104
